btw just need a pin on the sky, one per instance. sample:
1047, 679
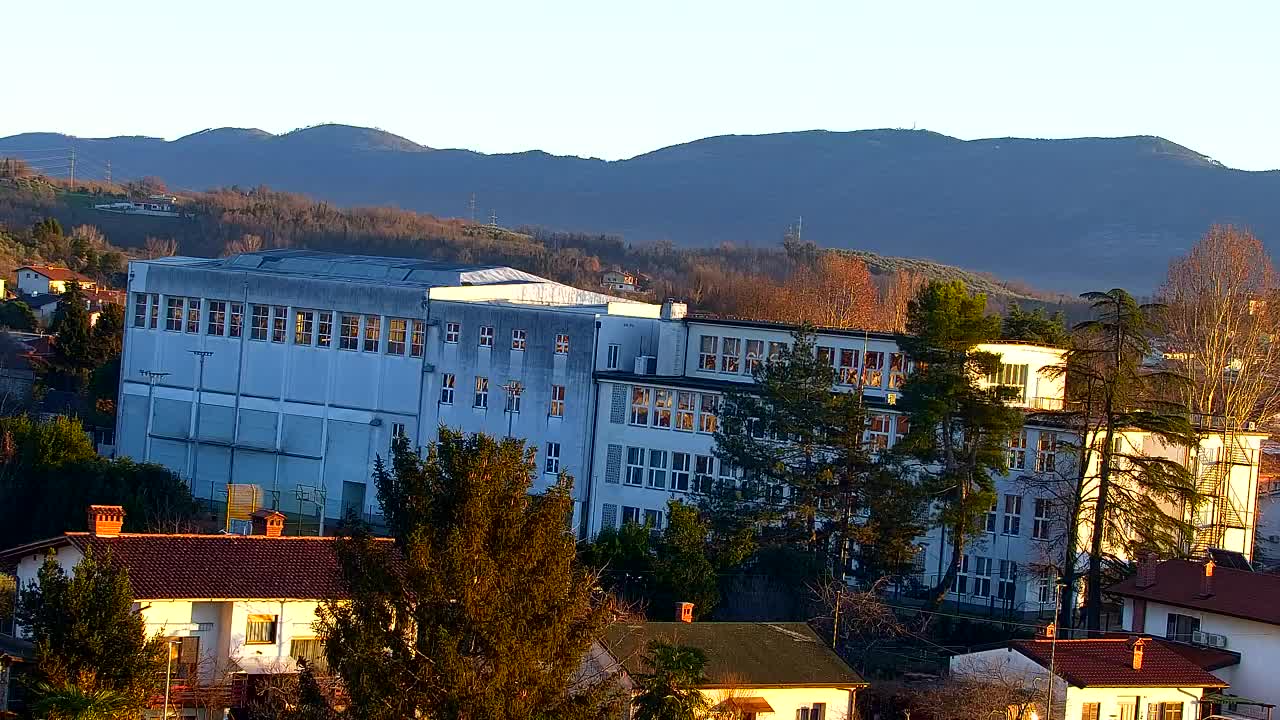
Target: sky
612, 79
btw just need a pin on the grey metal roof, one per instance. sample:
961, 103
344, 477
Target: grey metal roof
368, 268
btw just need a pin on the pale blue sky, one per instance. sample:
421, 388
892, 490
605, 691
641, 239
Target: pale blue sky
611, 79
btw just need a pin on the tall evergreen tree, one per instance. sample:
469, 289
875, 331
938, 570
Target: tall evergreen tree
1035, 327
959, 429
478, 609
89, 641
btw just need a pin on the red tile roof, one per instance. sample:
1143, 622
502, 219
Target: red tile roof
57, 273
1206, 657
222, 567
1108, 662
1238, 593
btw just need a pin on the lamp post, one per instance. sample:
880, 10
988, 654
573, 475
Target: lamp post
514, 389
168, 672
153, 377
195, 455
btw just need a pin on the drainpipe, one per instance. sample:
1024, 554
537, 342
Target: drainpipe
246, 327
593, 425
422, 376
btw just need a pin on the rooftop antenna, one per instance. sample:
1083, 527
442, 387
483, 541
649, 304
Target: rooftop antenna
493, 218
471, 206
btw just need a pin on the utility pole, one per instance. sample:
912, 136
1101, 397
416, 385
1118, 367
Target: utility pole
471, 207
108, 172
152, 377
195, 455
73, 168
168, 672
1053, 644
493, 218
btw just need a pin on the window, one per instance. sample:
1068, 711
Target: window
707, 352
1013, 377
562, 344
635, 466
482, 392
878, 427
897, 370
1040, 525
1090, 711
640, 399
557, 401
730, 348
398, 431
658, 469
775, 349
1164, 711
662, 408
173, 314
630, 515
140, 310
278, 313
611, 360
447, 382
826, 355
703, 472
452, 331
236, 327
1012, 515
991, 517
901, 427
847, 372
961, 583
193, 315
155, 310
982, 576
486, 336
1128, 709
324, 329
755, 355
818, 711
184, 655
1180, 627
1047, 452
709, 405
372, 333
1008, 580
685, 409
258, 331
1018, 451
1044, 592
552, 465
513, 397
519, 339
653, 519
418, 340
304, 322
397, 335
350, 337
309, 650
261, 630
217, 320
873, 370
680, 471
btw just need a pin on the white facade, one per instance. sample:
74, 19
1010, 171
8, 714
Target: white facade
313, 362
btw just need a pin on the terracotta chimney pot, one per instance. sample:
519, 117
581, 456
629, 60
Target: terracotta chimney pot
106, 520
684, 612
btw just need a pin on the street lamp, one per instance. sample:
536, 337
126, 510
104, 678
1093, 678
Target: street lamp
168, 671
195, 459
514, 389
153, 377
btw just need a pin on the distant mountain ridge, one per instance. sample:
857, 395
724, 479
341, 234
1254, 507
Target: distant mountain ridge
1070, 214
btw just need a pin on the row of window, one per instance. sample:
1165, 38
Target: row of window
310, 328
1046, 457
1127, 709
975, 575
480, 398
1006, 515
732, 355
519, 338
651, 518
675, 471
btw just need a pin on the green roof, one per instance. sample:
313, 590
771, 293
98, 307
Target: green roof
739, 654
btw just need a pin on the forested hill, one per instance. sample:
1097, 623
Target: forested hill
1065, 214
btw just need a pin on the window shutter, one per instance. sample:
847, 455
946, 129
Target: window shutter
609, 516
618, 405
819, 712
613, 465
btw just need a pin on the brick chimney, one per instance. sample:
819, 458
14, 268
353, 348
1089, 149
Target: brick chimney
1206, 580
684, 612
1146, 569
268, 522
1050, 631
105, 520
1139, 644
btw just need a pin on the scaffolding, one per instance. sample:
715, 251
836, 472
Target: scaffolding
1220, 509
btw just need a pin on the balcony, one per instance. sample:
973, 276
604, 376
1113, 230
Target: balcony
1045, 403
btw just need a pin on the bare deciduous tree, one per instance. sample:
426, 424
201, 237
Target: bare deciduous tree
246, 244
160, 247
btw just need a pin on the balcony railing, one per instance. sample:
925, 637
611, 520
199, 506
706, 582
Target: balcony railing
1045, 403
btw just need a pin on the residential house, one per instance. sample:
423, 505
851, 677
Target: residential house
236, 608
49, 280
1208, 605
754, 670
1113, 678
619, 281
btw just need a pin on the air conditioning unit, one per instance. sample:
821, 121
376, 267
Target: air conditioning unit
646, 365
1208, 639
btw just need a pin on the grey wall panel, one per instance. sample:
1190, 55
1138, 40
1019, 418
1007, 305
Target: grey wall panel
302, 435
171, 418
257, 428
217, 422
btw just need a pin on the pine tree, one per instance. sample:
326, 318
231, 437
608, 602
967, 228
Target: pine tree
478, 609
959, 430
669, 691
683, 569
89, 642
1035, 327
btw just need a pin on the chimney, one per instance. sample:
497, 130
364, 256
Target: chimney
684, 612
268, 522
105, 520
1139, 644
1146, 570
1050, 631
1206, 581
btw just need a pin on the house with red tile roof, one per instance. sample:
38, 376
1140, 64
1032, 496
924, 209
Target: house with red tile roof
1116, 677
49, 279
1208, 606
235, 607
